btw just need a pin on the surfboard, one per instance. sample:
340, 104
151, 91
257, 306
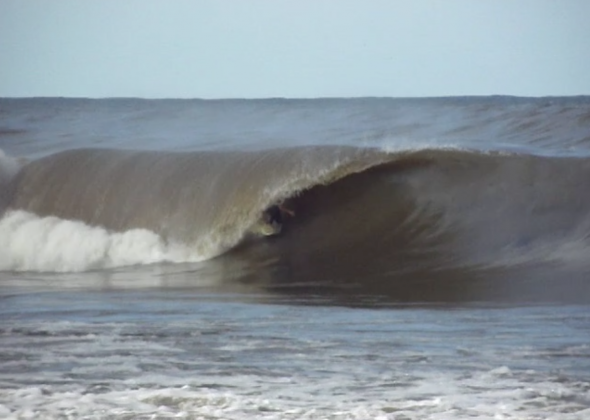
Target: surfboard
269, 230
263, 228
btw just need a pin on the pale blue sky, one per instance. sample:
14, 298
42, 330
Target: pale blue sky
293, 48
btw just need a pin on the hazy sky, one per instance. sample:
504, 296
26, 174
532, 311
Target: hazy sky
293, 48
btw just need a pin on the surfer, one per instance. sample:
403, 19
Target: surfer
275, 214
271, 220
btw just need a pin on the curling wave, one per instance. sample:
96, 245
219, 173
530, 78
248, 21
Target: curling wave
197, 204
361, 213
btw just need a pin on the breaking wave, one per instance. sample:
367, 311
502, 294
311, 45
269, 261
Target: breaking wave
172, 206
361, 213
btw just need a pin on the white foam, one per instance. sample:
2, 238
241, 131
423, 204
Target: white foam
241, 361
404, 144
442, 398
32, 243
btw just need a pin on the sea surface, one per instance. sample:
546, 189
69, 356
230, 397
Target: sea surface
437, 265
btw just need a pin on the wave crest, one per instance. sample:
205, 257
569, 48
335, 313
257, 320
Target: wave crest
360, 212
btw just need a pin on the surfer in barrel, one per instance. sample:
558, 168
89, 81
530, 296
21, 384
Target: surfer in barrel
276, 213
274, 217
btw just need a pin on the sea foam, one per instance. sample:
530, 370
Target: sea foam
32, 243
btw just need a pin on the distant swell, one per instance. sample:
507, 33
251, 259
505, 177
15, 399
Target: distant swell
360, 213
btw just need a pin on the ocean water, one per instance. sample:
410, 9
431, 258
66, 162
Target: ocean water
437, 265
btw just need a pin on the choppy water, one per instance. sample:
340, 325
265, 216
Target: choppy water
437, 266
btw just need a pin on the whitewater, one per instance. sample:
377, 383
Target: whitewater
436, 266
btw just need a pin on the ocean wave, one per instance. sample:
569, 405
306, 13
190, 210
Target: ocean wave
359, 212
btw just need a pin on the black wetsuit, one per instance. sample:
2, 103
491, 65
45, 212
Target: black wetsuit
274, 215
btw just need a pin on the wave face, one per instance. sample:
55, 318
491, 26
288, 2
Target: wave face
363, 215
199, 204
469, 196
